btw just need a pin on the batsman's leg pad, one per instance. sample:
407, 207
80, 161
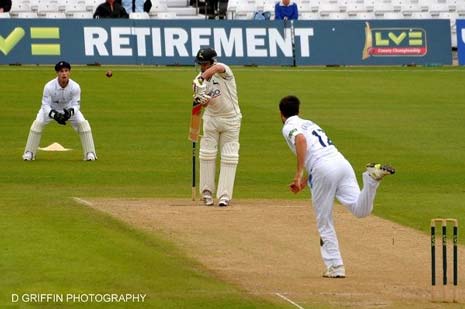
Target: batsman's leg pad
33, 140
87, 141
229, 161
207, 156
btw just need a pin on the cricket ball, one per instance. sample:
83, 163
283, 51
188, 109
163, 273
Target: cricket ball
109, 73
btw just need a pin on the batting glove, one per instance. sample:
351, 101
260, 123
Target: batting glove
202, 99
199, 86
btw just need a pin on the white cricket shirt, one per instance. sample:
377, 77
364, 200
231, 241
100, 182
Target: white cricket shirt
318, 144
58, 98
222, 88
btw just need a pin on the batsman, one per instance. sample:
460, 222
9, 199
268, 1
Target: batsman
215, 90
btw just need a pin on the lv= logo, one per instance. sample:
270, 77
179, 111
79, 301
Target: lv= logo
394, 42
8, 43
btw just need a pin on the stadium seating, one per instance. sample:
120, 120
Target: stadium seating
19, 7
333, 15
77, 7
27, 15
329, 8
91, 5
139, 15
165, 15
245, 9
310, 15
158, 8
381, 8
81, 15
241, 9
354, 9
45, 7
54, 15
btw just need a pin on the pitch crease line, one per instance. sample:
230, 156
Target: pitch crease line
290, 301
82, 201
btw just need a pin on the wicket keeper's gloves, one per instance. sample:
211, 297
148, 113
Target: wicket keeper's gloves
68, 113
59, 117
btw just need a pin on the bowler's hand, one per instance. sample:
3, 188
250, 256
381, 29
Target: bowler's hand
298, 184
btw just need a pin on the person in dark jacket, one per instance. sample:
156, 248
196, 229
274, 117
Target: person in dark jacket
5, 6
110, 9
216, 8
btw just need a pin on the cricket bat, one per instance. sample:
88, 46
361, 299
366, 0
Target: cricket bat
196, 119
194, 132
368, 42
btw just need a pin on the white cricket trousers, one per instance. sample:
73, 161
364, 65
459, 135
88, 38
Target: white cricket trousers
332, 178
219, 133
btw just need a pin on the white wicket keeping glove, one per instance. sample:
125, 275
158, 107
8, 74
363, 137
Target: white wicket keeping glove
202, 99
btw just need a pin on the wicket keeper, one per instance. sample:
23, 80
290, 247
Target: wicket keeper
61, 101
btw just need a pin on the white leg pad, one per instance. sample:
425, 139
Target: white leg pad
207, 158
33, 140
229, 161
87, 141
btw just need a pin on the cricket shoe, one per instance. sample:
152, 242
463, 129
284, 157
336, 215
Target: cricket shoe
335, 271
223, 202
378, 171
91, 156
27, 156
207, 198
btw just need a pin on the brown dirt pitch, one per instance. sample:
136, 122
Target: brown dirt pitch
270, 248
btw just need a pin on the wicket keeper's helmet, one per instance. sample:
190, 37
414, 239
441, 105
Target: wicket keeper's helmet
206, 55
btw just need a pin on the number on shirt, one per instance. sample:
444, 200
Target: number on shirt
322, 135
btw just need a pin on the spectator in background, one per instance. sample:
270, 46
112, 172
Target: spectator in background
216, 8
285, 10
110, 9
147, 5
5, 6
133, 6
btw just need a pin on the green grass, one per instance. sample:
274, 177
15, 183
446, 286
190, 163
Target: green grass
59, 247
409, 117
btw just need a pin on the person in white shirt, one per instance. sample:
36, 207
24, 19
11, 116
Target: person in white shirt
329, 176
215, 89
61, 101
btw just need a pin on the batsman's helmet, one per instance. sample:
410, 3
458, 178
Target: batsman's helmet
206, 55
